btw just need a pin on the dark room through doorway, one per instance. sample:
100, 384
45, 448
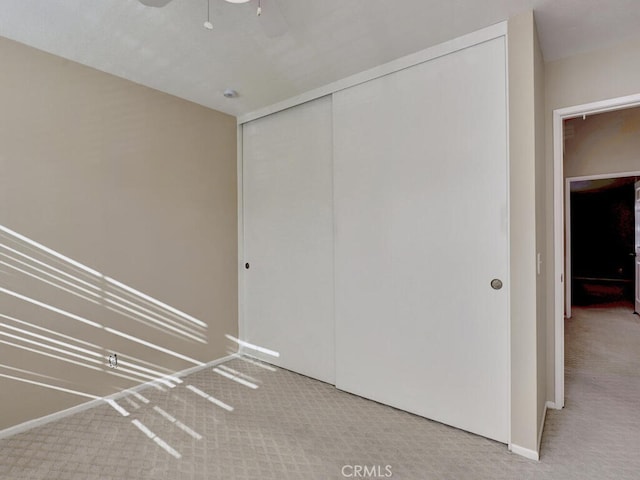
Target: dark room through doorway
602, 224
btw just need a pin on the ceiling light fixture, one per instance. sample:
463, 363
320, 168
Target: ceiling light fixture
274, 27
154, 3
208, 25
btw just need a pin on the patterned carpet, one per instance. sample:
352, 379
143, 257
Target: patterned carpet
218, 425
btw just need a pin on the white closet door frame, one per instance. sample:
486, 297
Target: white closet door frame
495, 31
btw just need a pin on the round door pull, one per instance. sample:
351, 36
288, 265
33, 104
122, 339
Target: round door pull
246, 265
496, 284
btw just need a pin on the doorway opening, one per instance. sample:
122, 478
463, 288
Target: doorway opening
600, 241
599, 164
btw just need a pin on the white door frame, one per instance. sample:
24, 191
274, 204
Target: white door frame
560, 267
567, 226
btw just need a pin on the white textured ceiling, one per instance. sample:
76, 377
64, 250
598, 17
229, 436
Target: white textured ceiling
324, 40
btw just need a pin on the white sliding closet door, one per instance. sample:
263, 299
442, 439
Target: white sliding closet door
420, 179
288, 238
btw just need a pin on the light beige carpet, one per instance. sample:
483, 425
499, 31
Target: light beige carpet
292, 427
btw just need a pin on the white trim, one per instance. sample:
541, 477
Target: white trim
241, 252
183, 373
567, 252
460, 43
602, 176
508, 273
601, 106
37, 422
558, 228
558, 172
524, 452
334, 228
567, 225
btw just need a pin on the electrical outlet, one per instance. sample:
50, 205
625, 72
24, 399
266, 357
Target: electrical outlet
113, 360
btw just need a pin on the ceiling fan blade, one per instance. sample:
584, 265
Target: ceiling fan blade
154, 3
272, 19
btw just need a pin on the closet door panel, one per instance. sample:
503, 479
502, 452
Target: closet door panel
288, 235
420, 180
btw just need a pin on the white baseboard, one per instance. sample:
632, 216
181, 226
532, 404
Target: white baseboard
524, 452
552, 405
37, 422
29, 424
213, 363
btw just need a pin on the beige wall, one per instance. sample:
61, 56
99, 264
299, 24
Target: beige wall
541, 245
604, 143
609, 73
522, 149
593, 76
136, 184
